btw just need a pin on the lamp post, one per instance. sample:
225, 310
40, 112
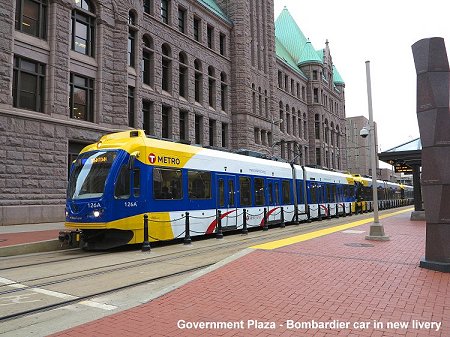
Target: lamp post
376, 228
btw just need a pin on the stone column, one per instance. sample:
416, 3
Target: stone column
433, 115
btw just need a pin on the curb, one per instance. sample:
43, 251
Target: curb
31, 247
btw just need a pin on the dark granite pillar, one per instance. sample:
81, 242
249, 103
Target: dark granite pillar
433, 115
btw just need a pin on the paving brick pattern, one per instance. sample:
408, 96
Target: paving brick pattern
335, 277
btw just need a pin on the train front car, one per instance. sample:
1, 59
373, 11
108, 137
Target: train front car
104, 197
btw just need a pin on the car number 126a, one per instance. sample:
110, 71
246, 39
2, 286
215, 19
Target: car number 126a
130, 204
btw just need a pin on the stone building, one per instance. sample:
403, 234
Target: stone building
218, 73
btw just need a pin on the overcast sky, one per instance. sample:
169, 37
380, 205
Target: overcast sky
381, 32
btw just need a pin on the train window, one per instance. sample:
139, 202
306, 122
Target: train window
137, 182
300, 192
122, 188
270, 187
277, 194
246, 195
286, 192
313, 192
333, 194
259, 192
221, 193
231, 193
199, 183
328, 193
167, 184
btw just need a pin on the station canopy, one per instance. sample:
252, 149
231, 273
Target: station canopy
403, 157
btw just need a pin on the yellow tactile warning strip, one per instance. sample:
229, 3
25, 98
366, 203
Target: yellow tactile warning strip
322, 232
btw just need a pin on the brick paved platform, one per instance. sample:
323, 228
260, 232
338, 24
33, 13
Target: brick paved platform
335, 285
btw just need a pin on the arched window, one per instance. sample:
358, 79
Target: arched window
198, 81
148, 61
83, 28
131, 39
166, 81
183, 75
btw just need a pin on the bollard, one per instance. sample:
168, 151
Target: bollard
337, 210
146, 244
219, 234
282, 225
319, 212
308, 213
244, 223
345, 210
187, 233
265, 225
329, 212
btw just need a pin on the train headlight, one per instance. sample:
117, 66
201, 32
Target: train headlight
96, 213
67, 213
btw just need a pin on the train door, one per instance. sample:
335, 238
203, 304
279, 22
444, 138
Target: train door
226, 200
273, 193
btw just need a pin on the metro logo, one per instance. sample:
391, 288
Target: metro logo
152, 158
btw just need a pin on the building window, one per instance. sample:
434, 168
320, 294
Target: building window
198, 129
165, 11
31, 17
197, 29
81, 97
184, 125
148, 61
83, 28
148, 117
28, 84
256, 135
166, 81
198, 81
212, 132
316, 95
314, 75
131, 46
280, 79
318, 159
223, 91
317, 126
148, 6
166, 116
222, 44
183, 75
224, 134
181, 20
130, 106
210, 36
211, 87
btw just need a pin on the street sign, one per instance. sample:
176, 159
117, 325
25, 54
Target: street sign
402, 168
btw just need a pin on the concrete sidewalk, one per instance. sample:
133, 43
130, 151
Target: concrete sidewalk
332, 285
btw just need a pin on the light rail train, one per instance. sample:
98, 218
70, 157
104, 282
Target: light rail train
125, 175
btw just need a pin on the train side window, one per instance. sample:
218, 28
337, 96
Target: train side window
277, 194
199, 183
286, 190
259, 192
136, 182
246, 195
231, 193
334, 197
270, 187
312, 191
167, 184
299, 184
122, 187
221, 193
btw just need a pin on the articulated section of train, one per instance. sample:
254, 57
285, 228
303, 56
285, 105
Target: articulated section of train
126, 175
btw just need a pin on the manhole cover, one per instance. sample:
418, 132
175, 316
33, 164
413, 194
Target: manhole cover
356, 244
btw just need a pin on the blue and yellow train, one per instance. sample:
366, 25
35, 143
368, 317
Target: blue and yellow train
125, 175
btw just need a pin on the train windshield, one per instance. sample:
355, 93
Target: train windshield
89, 175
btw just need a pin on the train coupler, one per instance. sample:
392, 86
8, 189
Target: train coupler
70, 238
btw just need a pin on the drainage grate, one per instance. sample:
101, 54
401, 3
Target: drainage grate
357, 244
